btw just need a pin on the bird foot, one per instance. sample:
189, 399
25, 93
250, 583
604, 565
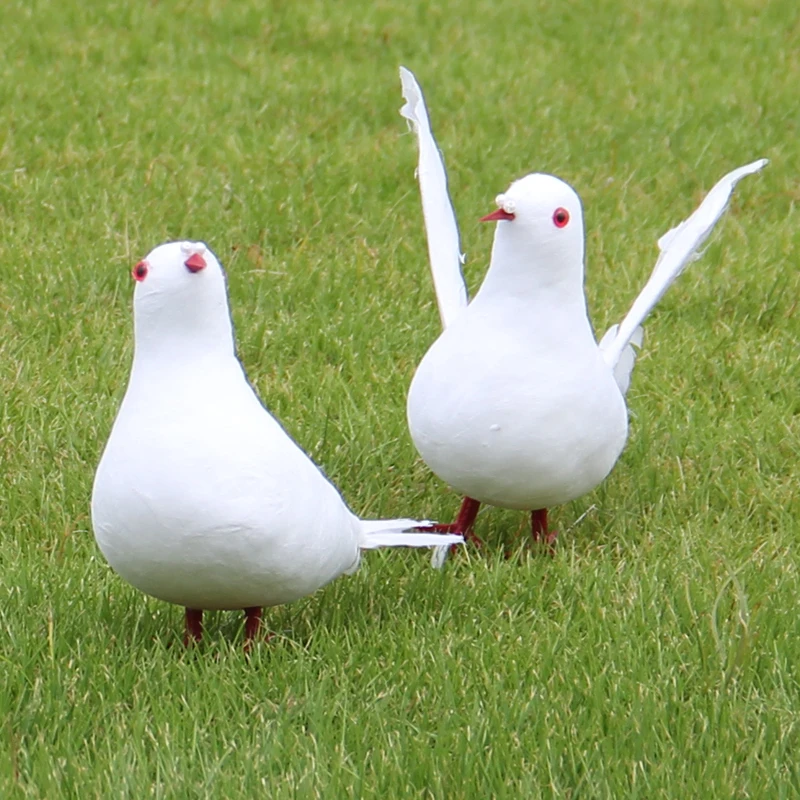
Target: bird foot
252, 625
539, 531
193, 630
463, 524
546, 540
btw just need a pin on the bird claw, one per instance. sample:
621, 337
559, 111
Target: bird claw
547, 541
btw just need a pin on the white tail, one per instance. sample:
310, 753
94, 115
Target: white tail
377, 533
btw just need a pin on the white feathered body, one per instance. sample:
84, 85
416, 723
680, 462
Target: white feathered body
201, 499
499, 407
515, 404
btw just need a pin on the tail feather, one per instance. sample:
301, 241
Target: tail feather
377, 533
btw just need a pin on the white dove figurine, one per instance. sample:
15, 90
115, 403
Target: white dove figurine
201, 498
516, 404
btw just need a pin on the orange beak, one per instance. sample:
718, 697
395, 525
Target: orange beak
501, 213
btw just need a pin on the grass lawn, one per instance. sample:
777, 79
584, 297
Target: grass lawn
657, 655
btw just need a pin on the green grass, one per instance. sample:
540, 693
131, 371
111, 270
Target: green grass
657, 654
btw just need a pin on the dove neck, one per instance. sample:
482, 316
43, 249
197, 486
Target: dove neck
191, 333
543, 273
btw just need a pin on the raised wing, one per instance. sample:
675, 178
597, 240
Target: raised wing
627, 359
678, 247
441, 228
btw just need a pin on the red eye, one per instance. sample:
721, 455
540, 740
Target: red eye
139, 272
560, 217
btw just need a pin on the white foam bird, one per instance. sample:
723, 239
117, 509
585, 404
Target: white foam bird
516, 404
201, 498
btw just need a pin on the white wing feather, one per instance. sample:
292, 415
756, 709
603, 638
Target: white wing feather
444, 249
624, 367
678, 247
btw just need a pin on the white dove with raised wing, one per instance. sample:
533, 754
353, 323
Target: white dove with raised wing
516, 404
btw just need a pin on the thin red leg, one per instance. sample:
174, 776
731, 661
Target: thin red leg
193, 630
463, 524
539, 527
466, 519
252, 623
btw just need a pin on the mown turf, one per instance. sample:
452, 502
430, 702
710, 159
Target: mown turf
656, 654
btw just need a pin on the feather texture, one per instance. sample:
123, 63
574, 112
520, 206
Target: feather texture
627, 360
441, 228
678, 247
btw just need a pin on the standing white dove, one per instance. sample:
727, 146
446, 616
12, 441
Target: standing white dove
201, 498
516, 404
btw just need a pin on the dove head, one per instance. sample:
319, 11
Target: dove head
539, 238
180, 304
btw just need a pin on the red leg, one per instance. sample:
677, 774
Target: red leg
252, 622
539, 527
463, 524
193, 631
466, 519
